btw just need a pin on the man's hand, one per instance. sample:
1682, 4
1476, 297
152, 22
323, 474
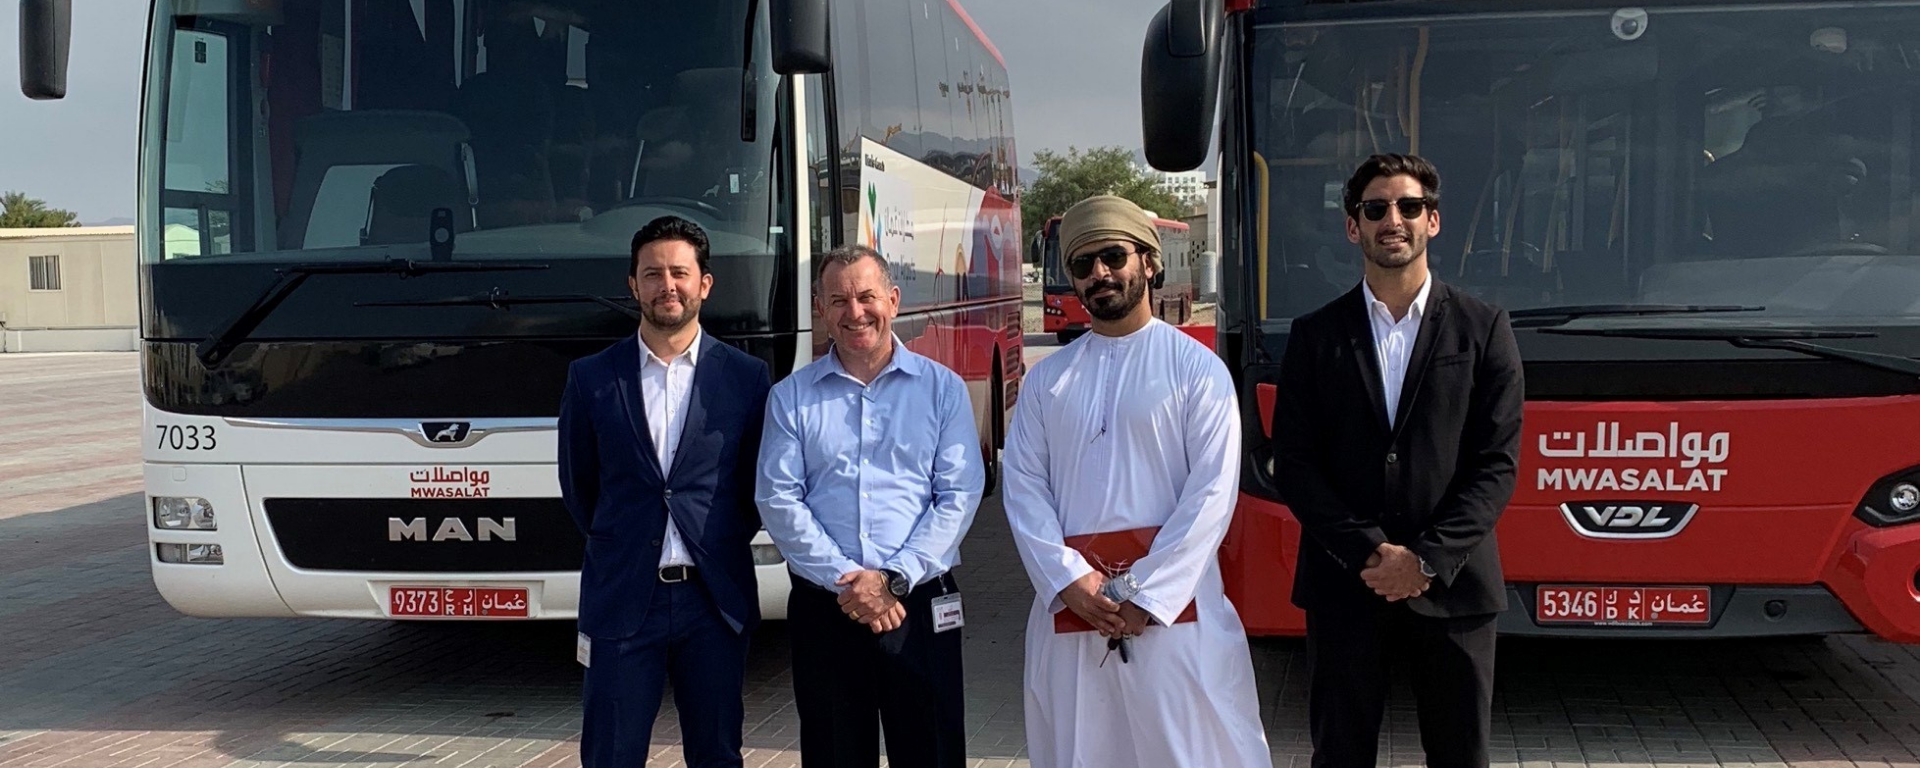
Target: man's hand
1394, 573
887, 620
1084, 599
865, 598
1137, 619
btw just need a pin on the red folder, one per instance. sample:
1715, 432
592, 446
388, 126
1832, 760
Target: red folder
1110, 552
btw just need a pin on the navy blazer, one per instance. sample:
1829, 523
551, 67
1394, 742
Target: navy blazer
611, 482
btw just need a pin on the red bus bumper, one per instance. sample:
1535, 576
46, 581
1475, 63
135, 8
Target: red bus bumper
1869, 583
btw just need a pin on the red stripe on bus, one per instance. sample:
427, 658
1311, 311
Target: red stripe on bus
982, 36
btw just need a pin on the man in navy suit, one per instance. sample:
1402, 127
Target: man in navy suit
659, 435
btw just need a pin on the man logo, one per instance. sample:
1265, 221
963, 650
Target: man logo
452, 529
1628, 519
445, 431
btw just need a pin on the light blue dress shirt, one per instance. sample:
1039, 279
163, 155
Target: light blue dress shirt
881, 476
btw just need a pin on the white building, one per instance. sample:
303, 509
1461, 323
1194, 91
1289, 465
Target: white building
1189, 187
68, 289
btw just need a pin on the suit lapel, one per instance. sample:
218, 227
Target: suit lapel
1360, 345
627, 370
705, 373
1423, 344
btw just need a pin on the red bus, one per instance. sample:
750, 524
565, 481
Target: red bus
1702, 219
1172, 296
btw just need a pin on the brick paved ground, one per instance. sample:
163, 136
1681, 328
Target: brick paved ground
96, 671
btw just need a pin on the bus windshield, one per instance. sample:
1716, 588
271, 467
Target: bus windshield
293, 133
1054, 277
1677, 156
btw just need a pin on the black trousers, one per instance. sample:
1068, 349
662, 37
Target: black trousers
1350, 655
849, 682
685, 639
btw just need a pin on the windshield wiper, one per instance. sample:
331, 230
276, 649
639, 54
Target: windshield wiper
499, 298
1538, 317
1790, 339
217, 345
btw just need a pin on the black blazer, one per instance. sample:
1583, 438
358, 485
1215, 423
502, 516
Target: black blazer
611, 482
1435, 483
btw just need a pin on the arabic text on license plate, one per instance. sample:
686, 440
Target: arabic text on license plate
1623, 606
457, 602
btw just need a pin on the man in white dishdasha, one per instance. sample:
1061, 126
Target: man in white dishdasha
1122, 469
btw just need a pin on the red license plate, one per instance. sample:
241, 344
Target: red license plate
1623, 606
457, 602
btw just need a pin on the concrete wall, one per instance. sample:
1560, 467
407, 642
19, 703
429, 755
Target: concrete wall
95, 309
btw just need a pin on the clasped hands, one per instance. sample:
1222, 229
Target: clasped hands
1393, 572
867, 600
1109, 618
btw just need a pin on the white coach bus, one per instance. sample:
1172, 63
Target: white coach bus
373, 234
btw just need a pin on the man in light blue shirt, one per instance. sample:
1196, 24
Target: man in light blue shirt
870, 472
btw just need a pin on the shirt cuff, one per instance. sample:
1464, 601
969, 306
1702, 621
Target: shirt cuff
908, 567
1074, 573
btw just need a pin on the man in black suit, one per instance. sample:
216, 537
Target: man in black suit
1396, 435
659, 436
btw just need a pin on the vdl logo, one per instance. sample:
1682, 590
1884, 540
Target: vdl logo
445, 431
1628, 519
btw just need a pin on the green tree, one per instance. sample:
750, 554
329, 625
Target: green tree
1075, 176
19, 211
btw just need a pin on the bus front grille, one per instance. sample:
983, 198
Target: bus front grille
426, 535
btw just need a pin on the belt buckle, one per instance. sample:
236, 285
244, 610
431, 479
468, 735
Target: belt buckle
682, 571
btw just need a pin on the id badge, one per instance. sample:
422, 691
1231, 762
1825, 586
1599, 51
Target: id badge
583, 650
946, 613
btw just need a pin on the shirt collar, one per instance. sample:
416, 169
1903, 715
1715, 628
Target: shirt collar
904, 360
1419, 308
692, 354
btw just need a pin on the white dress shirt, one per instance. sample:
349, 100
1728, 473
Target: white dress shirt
664, 388
1393, 342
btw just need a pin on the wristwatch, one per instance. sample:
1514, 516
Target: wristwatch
1425, 570
897, 582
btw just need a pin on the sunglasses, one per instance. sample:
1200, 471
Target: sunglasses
1116, 258
1410, 207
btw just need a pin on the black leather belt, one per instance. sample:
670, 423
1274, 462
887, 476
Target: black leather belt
674, 574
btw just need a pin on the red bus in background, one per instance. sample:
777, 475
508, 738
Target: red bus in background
1701, 218
1066, 318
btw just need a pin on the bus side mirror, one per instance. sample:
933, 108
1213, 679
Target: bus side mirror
799, 37
46, 28
1179, 83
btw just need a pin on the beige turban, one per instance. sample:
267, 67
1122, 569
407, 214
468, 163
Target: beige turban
1108, 217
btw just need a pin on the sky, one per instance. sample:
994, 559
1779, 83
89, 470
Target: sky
1074, 66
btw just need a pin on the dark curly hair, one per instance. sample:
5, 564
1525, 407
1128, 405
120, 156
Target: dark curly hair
669, 228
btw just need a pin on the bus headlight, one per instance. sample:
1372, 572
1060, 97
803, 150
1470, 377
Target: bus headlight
767, 554
183, 513
1893, 500
1905, 497
191, 554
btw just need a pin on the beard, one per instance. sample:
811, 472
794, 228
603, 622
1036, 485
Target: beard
1127, 295
668, 319
1387, 257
